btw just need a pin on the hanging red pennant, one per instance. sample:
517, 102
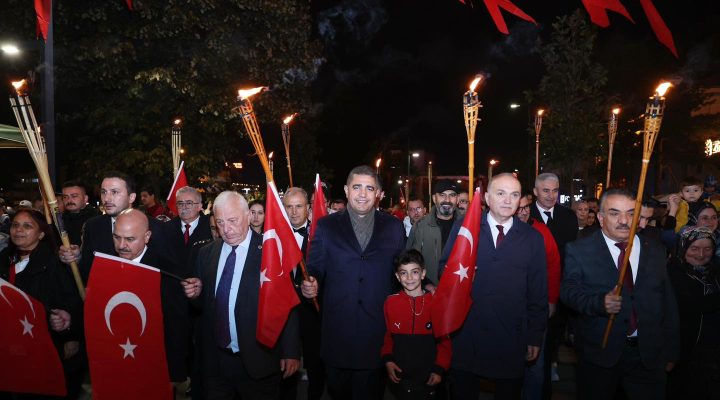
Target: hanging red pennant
494, 7
43, 11
598, 14
661, 30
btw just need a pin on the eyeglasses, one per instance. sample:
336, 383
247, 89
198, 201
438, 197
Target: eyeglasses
524, 208
416, 209
185, 204
463, 201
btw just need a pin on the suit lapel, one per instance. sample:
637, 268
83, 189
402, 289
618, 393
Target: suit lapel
345, 227
603, 252
212, 267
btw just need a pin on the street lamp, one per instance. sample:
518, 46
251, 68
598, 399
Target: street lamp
493, 162
270, 161
10, 49
377, 166
407, 180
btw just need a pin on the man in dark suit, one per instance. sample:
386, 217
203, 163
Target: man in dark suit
644, 340
188, 228
131, 237
297, 208
233, 362
350, 260
563, 225
117, 193
505, 325
77, 210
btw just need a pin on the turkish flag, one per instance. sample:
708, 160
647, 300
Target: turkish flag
319, 210
43, 13
124, 331
494, 7
280, 254
452, 300
30, 362
180, 182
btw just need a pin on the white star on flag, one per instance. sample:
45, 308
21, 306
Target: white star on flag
27, 326
461, 272
263, 277
129, 349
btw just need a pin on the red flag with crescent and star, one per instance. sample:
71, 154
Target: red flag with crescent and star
280, 254
319, 210
180, 182
452, 300
30, 362
124, 331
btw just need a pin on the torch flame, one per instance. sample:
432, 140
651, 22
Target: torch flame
475, 82
377, 163
247, 93
271, 154
19, 86
289, 118
660, 91
177, 121
616, 110
540, 112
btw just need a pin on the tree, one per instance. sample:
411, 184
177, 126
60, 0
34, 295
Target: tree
123, 76
572, 92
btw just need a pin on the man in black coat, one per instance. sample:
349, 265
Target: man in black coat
77, 211
117, 193
130, 238
234, 363
189, 227
644, 340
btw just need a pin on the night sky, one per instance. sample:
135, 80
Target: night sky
395, 72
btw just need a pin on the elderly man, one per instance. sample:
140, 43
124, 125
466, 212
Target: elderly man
131, 236
506, 322
644, 340
234, 364
431, 233
350, 260
189, 227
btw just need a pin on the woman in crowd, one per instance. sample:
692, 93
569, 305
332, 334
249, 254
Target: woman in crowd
30, 262
694, 276
257, 215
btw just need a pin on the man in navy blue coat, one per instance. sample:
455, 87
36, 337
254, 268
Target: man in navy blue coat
350, 261
504, 327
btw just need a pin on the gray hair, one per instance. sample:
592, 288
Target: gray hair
190, 190
229, 196
546, 176
293, 191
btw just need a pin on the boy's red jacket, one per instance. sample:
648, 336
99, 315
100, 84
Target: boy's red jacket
409, 339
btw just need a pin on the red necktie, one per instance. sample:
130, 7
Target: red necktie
187, 233
500, 237
628, 283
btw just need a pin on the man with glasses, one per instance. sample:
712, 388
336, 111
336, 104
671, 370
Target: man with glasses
429, 235
463, 202
535, 371
415, 212
189, 227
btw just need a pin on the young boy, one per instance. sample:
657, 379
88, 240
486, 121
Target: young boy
691, 190
415, 362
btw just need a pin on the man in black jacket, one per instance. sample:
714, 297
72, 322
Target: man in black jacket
644, 340
77, 211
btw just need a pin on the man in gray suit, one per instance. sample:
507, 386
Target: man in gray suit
644, 340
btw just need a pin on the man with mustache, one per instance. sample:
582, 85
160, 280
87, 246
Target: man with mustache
117, 193
644, 340
429, 235
130, 237
77, 211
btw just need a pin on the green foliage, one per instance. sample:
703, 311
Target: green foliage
123, 76
572, 93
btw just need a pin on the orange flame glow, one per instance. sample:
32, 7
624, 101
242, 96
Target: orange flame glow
475, 82
247, 93
660, 91
289, 118
19, 86
377, 163
540, 112
177, 121
270, 155
616, 110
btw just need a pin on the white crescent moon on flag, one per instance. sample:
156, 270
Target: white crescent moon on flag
125, 298
270, 235
4, 283
465, 232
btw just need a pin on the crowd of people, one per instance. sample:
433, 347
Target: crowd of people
545, 275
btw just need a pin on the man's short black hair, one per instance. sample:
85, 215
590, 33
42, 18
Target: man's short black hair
338, 201
257, 201
409, 256
367, 171
68, 184
149, 189
650, 203
616, 192
129, 182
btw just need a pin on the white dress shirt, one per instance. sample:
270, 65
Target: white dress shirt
542, 212
240, 257
495, 231
193, 225
634, 258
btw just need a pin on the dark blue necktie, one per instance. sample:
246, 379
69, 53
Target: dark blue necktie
222, 300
